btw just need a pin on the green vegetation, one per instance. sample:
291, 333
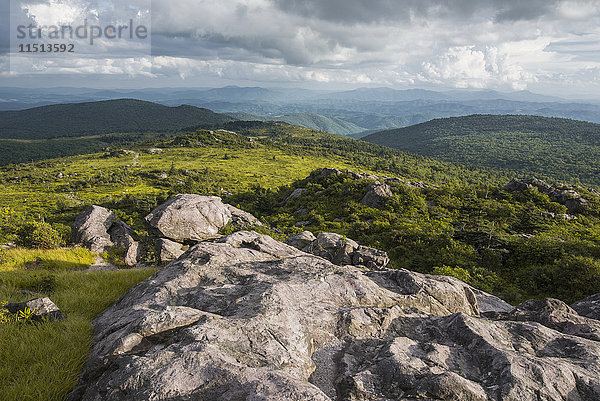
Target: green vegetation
22, 316
72, 129
552, 148
468, 227
42, 361
39, 235
41, 259
495, 240
26, 150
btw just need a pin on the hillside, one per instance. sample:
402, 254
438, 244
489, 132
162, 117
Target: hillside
527, 239
556, 148
308, 120
104, 117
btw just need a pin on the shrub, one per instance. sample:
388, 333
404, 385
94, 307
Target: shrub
40, 236
457, 272
64, 231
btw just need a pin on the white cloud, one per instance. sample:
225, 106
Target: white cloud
55, 12
467, 67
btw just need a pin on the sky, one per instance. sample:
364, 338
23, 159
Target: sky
545, 46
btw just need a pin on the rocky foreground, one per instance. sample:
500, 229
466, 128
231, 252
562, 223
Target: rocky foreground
246, 317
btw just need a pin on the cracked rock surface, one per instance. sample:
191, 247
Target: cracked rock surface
250, 318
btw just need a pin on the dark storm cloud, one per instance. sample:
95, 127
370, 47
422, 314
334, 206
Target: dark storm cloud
374, 11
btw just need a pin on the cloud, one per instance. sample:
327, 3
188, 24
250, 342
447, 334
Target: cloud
498, 44
390, 11
467, 67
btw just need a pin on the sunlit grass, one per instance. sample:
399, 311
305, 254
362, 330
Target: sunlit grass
233, 170
43, 361
51, 259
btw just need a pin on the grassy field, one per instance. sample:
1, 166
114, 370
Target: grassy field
97, 178
42, 361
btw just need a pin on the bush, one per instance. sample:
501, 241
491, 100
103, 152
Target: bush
457, 272
64, 231
39, 236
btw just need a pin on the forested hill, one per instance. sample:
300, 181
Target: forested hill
111, 116
556, 148
308, 120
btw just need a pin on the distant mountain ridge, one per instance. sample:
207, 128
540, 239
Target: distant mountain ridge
368, 107
558, 148
103, 117
309, 120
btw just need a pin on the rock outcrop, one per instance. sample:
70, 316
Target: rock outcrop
98, 229
296, 193
246, 317
565, 195
339, 250
190, 217
167, 250
558, 216
377, 194
333, 247
554, 314
91, 228
326, 172
588, 307
301, 240
242, 219
181, 221
43, 309
187, 219
371, 258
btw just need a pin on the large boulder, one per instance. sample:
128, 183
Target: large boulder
189, 217
91, 228
296, 193
193, 218
42, 308
333, 247
242, 219
301, 240
555, 314
249, 318
371, 258
339, 249
99, 230
327, 172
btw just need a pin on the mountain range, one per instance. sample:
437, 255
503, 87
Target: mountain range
369, 109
